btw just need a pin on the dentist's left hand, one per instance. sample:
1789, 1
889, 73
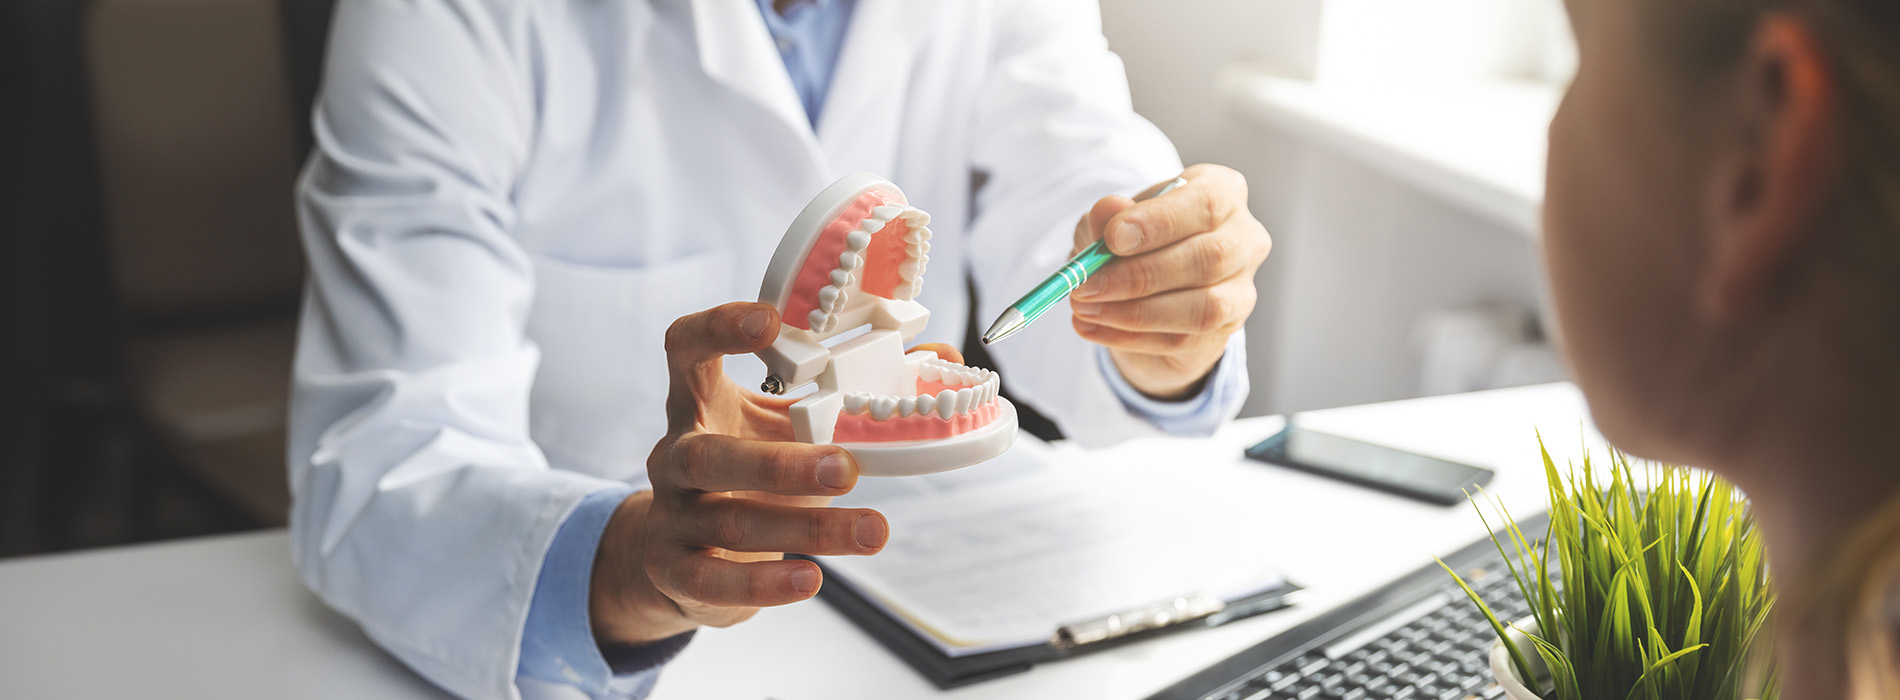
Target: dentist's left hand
731, 494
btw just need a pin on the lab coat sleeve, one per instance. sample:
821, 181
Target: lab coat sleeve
1054, 131
1200, 415
421, 510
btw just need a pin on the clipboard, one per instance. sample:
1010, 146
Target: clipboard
1043, 554
947, 672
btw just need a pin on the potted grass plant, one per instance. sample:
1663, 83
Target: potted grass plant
1654, 589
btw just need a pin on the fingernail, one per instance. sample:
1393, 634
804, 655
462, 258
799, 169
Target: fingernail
754, 324
1083, 308
870, 532
1090, 288
1125, 237
804, 579
834, 471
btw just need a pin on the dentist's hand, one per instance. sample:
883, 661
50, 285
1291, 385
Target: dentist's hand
731, 494
1182, 283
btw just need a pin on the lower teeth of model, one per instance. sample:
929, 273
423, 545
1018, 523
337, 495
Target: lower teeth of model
945, 404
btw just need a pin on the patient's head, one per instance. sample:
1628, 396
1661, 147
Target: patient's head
1723, 217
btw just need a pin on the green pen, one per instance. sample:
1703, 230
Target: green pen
1039, 300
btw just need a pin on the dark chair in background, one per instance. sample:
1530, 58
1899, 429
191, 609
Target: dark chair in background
192, 112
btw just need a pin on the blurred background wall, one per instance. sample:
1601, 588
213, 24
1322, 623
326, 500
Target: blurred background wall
149, 271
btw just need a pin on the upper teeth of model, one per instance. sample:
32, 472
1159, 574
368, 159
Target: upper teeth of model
975, 387
832, 298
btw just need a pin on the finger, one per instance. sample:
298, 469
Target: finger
696, 342
706, 579
1221, 307
708, 462
1212, 195
744, 525
1237, 248
1136, 341
944, 350
1088, 229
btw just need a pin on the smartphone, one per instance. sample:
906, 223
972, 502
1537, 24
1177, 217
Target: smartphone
1383, 468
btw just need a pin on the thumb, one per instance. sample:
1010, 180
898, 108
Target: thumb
1089, 229
696, 342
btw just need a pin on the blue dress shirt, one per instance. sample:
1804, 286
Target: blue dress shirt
558, 644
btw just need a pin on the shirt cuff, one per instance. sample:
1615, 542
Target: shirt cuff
1197, 416
557, 642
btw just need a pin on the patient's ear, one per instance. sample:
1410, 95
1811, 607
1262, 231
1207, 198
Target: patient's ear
1770, 177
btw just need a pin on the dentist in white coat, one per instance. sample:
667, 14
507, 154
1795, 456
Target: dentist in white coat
519, 215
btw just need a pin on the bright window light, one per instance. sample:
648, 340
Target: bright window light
1444, 40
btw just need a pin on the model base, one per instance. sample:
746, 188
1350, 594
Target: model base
913, 457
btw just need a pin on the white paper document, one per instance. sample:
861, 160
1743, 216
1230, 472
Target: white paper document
1001, 554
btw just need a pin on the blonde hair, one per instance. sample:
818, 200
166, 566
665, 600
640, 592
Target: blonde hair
1865, 577
1696, 41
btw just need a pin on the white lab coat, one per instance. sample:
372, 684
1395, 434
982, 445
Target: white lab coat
511, 201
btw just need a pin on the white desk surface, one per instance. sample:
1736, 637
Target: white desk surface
226, 616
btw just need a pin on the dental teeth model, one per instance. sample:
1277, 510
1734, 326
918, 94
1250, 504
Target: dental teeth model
855, 257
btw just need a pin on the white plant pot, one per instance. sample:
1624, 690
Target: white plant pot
1515, 686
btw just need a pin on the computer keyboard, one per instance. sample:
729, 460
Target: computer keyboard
1418, 638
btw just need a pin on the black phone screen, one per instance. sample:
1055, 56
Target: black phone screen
1397, 471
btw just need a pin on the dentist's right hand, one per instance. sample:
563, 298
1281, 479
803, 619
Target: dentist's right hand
732, 493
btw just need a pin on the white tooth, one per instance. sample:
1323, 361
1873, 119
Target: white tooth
918, 248
928, 371
922, 260
946, 404
848, 260
882, 407
905, 291
965, 397
918, 234
917, 218
926, 405
887, 212
855, 402
872, 225
857, 240
827, 296
909, 269
817, 319
983, 394
907, 406
840, 278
